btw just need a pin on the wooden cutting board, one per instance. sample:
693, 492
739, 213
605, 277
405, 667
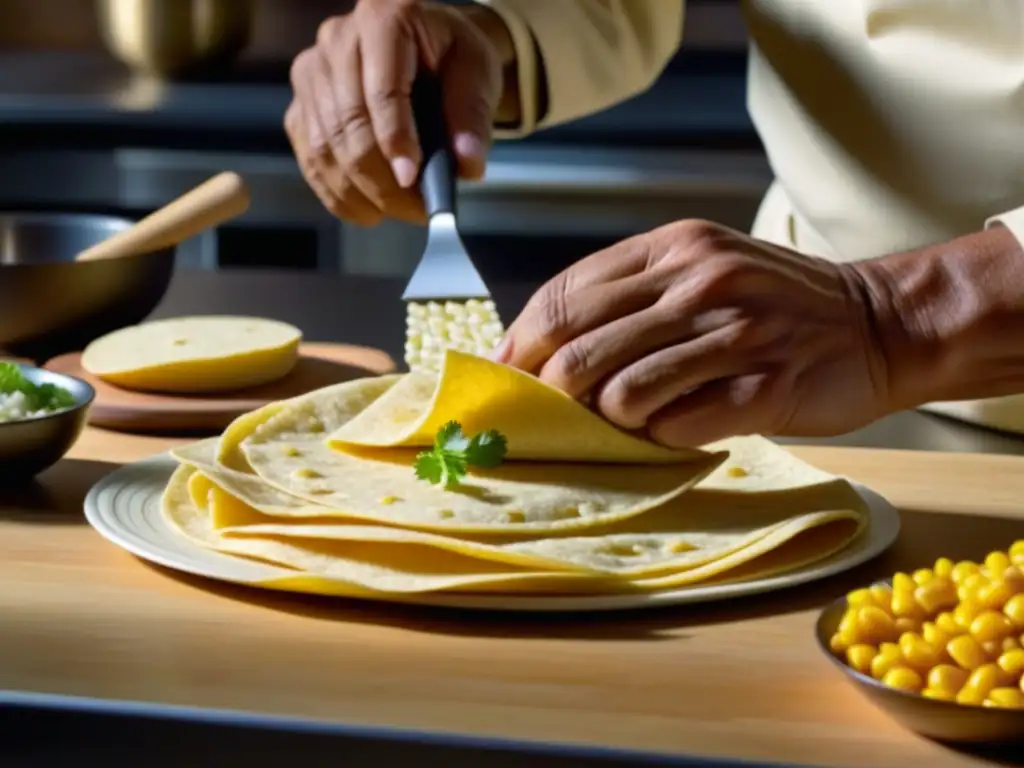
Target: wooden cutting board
319, 365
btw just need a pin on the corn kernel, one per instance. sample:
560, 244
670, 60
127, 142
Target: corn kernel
990, 626
985, 678
1012, 662
970, 696
992, 649
996, 563
922, 576
837, 645
963, 569
903, 581
1017, 552
975, 580
1007, 698
939, 594
1010, 643
859, 657
875, 625
930, 693
1014, 611
934, 636
966, 652
944, 568
903, 679
994, 595
1013, 577
882, 596
917, 653
887, 658
859, 598
947, 678
904, 624
965, 613
903, 603
947, 624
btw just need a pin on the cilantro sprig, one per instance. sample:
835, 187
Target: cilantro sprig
40, 397
454, 453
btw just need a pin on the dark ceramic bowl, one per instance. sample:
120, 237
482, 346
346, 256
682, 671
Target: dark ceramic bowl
51, 304
28, 447
940, 720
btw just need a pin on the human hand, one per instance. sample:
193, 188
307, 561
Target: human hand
351, 123
695, 332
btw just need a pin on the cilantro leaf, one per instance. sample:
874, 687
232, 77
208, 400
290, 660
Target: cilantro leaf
487, 449
453, 453
40, 396
450, 437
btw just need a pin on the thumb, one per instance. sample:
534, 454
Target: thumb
471, 80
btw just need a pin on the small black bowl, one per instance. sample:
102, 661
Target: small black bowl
944, 721
30, 446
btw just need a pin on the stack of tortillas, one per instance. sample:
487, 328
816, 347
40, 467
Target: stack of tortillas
324, 485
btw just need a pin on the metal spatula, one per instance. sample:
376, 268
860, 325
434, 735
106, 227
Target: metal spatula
447, 302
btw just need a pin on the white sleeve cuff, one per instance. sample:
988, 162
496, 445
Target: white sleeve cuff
526, 64
1012, 220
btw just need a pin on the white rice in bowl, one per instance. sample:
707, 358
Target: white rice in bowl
15, 407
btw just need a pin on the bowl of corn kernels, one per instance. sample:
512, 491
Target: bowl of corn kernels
940, 649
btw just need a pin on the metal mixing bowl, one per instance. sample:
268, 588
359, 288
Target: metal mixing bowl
169, 38
50, 304
28, 447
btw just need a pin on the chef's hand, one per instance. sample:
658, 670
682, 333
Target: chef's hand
694, 332
350, 122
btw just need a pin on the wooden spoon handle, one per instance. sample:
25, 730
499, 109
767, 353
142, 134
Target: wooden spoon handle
213, 202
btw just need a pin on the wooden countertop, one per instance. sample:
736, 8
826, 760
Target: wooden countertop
744, 680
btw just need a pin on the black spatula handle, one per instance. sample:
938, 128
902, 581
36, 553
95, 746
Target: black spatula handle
438, 173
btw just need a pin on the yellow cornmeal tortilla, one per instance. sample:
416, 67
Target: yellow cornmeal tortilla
355, 395
690, 531
541, 423
757, 465
288, 451
359, 570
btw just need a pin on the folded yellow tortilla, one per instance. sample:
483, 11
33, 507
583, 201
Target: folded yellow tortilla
355, 395
541, 423
288, 451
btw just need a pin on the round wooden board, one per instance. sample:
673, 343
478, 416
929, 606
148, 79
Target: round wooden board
7, 357
319, 365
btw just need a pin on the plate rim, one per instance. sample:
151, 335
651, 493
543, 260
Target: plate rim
883, 532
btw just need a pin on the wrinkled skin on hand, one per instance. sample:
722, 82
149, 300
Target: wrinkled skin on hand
694, 332
351, 124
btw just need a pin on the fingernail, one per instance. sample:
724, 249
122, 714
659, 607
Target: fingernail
502, 352
404, 170
469, 146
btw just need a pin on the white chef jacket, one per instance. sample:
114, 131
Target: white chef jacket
889, 124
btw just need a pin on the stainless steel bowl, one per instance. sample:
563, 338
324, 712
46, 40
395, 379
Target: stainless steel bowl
28, 447
939, 720
168, 38
50, 304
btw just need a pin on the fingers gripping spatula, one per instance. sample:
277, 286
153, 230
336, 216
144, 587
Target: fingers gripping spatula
447, 303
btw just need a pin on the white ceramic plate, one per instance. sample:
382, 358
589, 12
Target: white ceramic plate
124, 507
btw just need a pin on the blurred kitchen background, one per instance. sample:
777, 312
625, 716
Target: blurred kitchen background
80, 131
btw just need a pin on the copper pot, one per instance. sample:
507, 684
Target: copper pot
171, 38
